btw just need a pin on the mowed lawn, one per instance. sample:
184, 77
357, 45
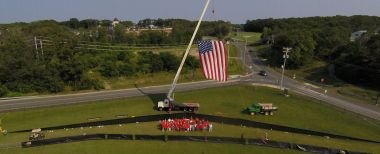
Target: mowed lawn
251, 37
233, 51
295, 111
145, 147
224, 130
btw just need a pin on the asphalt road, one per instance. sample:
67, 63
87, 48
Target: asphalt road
256, 65
44, 101
251, 62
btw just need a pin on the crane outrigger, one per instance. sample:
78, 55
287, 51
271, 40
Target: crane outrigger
169, 103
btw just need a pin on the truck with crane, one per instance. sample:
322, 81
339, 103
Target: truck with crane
174, 106
169, 104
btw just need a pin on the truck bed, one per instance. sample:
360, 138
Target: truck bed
194, 105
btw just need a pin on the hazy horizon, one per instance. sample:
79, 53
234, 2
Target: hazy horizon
235, 11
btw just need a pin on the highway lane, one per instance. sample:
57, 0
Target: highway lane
44, 101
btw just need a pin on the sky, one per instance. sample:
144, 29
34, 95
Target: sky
236, 11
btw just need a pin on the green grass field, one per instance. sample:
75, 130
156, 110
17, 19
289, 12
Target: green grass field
144, 147
251, 37
295, 111
233, 51
160, 78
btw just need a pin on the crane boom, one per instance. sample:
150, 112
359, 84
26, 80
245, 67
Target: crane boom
170, 93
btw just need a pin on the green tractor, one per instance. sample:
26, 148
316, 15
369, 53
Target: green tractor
260, 108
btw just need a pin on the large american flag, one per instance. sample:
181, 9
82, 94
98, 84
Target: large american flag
214, 59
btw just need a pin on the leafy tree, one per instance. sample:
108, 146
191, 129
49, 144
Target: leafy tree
105, 23
109, 69
170, 61
127, 23
145, 22
102, 34
119, 33
89, 23
16, 70
329, 39
73, 23
3, 90
302, 44
359, 62
192, 62
126, 69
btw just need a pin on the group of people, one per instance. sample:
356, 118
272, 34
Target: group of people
185, 124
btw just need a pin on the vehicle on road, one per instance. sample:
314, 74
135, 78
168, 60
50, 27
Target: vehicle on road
261, 108
168, 105
263, 73
36, 134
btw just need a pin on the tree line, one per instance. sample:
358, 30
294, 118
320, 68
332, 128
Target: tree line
103, 31
327, 39
64, 64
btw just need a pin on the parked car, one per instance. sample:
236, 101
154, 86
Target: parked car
263, 73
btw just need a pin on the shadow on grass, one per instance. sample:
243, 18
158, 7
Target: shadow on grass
245, 111
153, 97
315, 75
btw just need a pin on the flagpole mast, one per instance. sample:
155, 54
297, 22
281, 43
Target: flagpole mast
169, 96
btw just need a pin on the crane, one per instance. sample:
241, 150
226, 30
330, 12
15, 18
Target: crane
169, 103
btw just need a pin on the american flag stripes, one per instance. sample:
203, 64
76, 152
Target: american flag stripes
214, 59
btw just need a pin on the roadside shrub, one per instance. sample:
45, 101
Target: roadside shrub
3, 90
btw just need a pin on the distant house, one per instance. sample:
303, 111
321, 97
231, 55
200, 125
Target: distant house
152, 27
356, 35
377, 31
115, 22
76, 33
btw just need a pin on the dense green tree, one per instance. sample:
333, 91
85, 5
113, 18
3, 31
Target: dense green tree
73, 23
170, 61
119, 33
15, 70
89, 23
126, 69
359, 62
127, 23
109, 69
3, 90
105, 23
302, 44
71, 60
328, 39
145, 22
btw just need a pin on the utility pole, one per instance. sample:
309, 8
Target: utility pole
42, 49
286, 50
35, 44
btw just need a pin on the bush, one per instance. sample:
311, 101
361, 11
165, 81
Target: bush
3, 90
